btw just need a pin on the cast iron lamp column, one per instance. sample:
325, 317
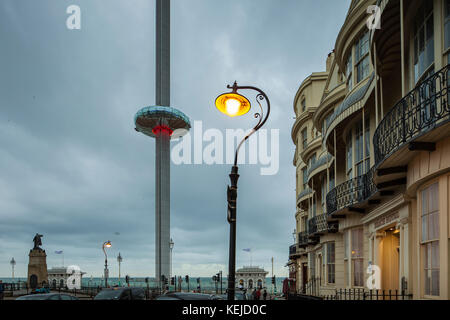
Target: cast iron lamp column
106, 244
233, 105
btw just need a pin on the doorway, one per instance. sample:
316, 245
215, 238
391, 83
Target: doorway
33, 281
390, 259
304, 277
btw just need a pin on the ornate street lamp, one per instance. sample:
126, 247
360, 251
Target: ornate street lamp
119, 260
106, 244
233, 104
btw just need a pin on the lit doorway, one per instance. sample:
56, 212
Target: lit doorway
390, 259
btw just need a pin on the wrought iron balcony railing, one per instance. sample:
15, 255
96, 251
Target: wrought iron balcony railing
319, 224
420, 111
302, 239
351, 192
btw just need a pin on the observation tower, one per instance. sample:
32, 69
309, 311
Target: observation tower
162, 122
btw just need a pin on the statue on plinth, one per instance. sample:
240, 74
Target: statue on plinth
37, 241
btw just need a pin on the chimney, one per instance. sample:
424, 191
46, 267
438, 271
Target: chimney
330, 60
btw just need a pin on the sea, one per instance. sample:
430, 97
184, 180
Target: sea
205, 283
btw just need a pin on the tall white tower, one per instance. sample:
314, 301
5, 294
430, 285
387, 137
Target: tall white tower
160, 122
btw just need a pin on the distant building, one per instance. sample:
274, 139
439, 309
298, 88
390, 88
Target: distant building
57, 277
251, 277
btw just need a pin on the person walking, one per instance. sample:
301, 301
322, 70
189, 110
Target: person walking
258, 294
265, 294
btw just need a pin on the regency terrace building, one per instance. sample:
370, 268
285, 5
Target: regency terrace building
372, 136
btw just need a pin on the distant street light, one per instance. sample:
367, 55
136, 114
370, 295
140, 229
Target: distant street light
13, 264
233, 104
171, 245
106, 244
119, 260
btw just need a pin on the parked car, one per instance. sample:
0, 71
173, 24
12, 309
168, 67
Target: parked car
121, 293
48, 296
186, 296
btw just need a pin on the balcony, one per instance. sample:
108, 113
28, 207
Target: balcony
292, 251
321, 162
415, 123
319, 225
303, 196
302, 239
352, 195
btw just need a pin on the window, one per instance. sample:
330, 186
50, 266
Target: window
312, 160
357, 257
326, 122
430, 239
313, 208
331, 179
360, 143
349, 71
349, 153
423, 40
346, 255
305, 178
367, 143
324, 194
447, 26
362, 157
303, 105
305, 138
362, 57
331, 263
359, 152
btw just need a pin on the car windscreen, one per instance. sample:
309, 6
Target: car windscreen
108, 295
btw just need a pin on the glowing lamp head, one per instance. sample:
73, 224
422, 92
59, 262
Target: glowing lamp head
107, 244
233, 104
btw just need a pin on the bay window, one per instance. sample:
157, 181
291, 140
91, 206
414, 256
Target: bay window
331, 277
349, 147
362, 58
349, 71
353, 257
305, 138
447, 26
305, 178
357, 257
430, 239
423, 40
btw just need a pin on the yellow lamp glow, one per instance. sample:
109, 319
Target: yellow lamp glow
233, 104
108, 244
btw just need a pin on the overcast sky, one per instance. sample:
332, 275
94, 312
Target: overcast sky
73, 168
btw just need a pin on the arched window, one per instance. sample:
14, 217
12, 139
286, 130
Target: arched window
260, 283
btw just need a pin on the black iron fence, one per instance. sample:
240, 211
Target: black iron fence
420, 111
366, 294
